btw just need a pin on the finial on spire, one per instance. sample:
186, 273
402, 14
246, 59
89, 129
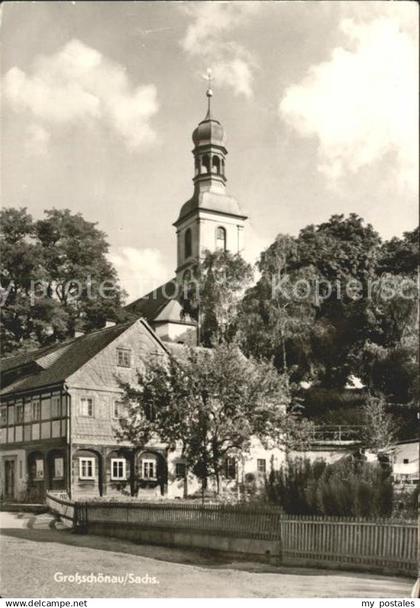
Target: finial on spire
209, 92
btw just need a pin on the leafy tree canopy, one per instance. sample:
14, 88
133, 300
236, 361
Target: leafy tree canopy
55, 278
212, 403
341, 290
212, 293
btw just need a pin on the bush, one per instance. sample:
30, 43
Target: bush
406, 503
350, 487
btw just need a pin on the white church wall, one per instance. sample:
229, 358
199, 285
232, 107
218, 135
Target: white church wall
209, 222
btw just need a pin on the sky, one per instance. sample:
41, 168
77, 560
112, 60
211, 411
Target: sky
319, 101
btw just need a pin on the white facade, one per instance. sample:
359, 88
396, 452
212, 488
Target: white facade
405, 463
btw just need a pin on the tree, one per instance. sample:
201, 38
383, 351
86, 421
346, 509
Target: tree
344, 252
55, 278
388, 360
212, 293
275, 316
378, 424
400, 256
321, 320
211, 403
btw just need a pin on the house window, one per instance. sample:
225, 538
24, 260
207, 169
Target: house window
55, 407
11, 414
180, 470
19, 414
221, 238
230, 468
27, 413
86, 468
46, 408
405, 460
36, 410
261, 466
118, 468
39, 468
3, 415
188, 243
123, 357
58, 468
86, 407
119, 410
149, 469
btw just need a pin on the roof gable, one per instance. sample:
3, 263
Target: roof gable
103, 370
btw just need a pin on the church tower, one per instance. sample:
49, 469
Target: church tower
211, 219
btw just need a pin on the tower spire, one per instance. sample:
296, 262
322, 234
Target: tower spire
211, 219
209, 93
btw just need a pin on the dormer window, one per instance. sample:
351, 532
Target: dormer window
123, 357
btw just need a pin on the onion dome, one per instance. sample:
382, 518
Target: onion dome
209, 130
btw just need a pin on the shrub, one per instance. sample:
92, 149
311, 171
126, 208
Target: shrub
349, 487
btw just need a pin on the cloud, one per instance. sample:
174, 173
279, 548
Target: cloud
207, 38
362, 104
255, 244
237, 73
139, 270
77, 84
37, 138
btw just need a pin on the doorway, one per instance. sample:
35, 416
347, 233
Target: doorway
9, 475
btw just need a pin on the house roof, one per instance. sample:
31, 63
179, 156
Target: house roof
53, 365
25, 358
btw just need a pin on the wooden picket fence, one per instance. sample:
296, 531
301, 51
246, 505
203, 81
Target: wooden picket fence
59, 504
357, 542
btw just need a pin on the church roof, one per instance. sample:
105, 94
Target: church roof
172, 312
207, 200
150, 305
159, 305
209, 131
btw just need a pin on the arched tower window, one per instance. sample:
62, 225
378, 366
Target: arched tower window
188, 243
221, 238
206, 163
223, 167
216, 165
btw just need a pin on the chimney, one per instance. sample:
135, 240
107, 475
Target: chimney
110, 323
